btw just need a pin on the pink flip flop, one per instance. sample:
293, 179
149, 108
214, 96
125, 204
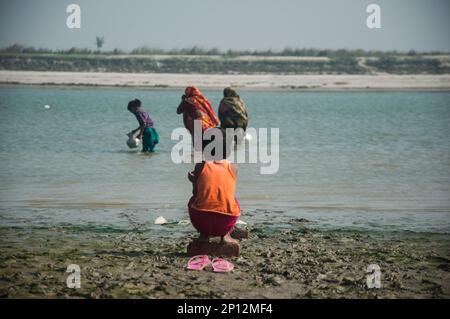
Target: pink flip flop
198, 262
222, 265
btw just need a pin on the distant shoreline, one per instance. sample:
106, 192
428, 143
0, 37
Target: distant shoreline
385, 82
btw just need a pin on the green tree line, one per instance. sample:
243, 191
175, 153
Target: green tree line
197, 50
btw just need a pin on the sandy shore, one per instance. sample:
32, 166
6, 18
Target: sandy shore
263, 81
275, 263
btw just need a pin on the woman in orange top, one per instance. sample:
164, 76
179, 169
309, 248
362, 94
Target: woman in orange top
213, 207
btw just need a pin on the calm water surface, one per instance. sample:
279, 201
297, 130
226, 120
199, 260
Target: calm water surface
371, 160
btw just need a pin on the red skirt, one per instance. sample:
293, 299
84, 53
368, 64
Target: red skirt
212, 223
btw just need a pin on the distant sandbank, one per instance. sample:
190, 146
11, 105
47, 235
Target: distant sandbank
243, 81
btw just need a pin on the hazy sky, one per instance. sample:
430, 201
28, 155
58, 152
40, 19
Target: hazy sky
239, 24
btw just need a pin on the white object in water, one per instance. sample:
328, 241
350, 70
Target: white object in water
132, 141
241, 222
46, 106
248, 137
184, 222
160, 221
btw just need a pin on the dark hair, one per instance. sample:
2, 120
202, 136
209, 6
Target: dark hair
226, 146
134, 103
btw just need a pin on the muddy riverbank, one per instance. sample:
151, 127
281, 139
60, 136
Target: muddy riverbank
295, 262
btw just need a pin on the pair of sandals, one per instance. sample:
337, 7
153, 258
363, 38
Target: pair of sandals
199, 262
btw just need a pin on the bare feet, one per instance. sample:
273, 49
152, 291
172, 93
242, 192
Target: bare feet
227, 239
203, 238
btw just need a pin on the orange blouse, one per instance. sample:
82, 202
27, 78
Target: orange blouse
216, 185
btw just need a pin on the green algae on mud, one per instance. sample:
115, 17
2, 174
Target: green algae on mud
275, 263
